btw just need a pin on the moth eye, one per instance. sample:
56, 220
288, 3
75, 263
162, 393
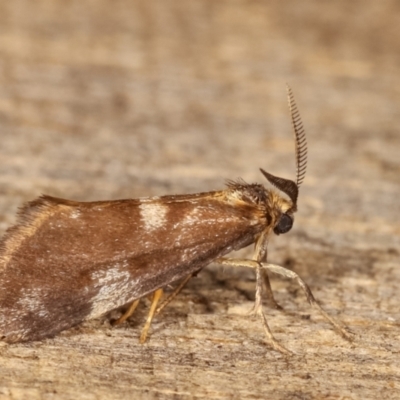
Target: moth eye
284, 224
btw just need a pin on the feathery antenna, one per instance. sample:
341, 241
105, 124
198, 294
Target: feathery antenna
286, 185
300, 139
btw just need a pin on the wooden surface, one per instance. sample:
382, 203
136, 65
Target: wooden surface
106, 100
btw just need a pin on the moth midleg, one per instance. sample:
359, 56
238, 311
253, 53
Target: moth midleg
156, 297
287, 273
177, 290
127, 313
258, 310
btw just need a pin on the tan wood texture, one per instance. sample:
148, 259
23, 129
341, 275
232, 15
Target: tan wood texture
106, 100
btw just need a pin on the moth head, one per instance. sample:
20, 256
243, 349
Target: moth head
290, 188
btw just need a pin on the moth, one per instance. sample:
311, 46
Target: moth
65, 262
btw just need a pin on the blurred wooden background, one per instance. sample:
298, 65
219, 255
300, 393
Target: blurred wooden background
106, 100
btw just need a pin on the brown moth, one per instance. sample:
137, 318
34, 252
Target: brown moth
65, 261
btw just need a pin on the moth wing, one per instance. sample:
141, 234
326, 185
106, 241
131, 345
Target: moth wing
65, 262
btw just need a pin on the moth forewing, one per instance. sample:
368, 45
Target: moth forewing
66, 262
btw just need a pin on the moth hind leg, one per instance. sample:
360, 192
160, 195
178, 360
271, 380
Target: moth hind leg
127, 313
156, 297
154, 310
177, 290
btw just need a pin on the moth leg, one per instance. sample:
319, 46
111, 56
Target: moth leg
287, 273
269, 293
127, 313
173, 294
156, 297
234, 262
260, 255
258, 303
258, 296
262, 277
270, 337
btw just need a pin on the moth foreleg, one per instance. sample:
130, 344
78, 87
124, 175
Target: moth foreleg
287, 273
268, 291
260, 255
258, 295
262, 277
258, 298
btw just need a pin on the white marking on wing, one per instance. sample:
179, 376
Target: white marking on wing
116, 288
153, 215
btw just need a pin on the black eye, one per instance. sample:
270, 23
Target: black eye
284, 224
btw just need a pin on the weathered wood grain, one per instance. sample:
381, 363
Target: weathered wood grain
106, 100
